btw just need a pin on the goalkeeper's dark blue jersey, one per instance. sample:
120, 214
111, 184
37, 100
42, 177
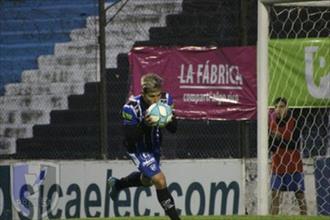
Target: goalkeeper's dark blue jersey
142, 141
138, 136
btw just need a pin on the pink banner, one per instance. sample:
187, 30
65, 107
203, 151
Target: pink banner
206, 83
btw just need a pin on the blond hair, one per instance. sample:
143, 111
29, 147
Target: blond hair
151, 82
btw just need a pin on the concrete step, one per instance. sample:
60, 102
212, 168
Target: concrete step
144, 12
142, 8
70, 117
184, 41
92, 67
74, 130
52, 63
200, 31
123, 30
45, 3
53, 10
47, 24
89, 48
216, 20
56, 148
118, 88
34, 102
25, 49
90, 102
127, 19
17, 64
72, 62
14, 89
84, 34
84, 117
111, 52
155, 6
38, 116
35, 37
209, 6
77, 47
16, 130
7, 145
58, 75
68, 131
51, 60
113, 31
68, 148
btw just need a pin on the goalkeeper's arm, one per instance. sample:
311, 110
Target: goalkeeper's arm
132, 134
173, 125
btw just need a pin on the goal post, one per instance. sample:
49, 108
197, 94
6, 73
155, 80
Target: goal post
301, 22
262, 109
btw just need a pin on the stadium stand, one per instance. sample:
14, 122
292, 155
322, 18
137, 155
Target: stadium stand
77, 60
205, 23
73, 132
28, 32
31, 28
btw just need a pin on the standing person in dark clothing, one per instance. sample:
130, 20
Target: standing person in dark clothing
143, 141
287, 167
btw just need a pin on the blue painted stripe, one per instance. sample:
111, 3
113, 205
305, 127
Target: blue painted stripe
47, 24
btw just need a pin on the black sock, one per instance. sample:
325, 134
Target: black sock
167, 202
133, 179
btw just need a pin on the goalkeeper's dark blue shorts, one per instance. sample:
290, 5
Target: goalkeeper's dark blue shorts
147, 163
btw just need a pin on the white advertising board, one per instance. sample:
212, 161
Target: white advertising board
199, 187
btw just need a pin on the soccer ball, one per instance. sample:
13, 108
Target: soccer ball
160, 114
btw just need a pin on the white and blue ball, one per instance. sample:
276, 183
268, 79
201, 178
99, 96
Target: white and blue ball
160, 113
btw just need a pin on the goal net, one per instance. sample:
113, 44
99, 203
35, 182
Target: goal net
298, 138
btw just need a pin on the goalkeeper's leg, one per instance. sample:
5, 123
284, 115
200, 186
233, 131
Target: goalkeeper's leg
275, 206
300, 195
135, 179
164, 197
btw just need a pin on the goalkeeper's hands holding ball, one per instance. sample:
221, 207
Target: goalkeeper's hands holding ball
149, 121
159, 114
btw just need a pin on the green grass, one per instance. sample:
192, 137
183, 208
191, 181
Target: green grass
235, 217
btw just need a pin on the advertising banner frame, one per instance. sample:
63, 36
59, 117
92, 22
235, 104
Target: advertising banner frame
206, 82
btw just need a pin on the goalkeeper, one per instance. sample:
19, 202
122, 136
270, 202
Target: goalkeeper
143, 140
287, 167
